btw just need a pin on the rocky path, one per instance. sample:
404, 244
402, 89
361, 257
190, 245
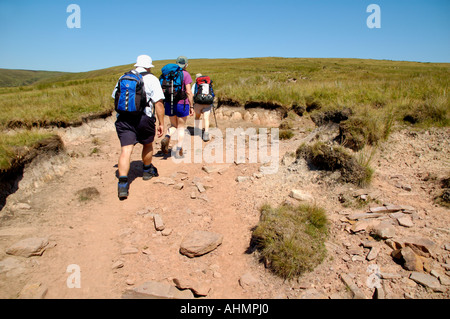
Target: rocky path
118, 246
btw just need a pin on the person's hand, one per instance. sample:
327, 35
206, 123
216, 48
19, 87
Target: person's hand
160, 130
191, 111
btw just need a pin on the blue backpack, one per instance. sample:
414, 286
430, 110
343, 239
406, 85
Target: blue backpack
130, 96
171, 81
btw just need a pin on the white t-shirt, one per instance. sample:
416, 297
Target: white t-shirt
153, 91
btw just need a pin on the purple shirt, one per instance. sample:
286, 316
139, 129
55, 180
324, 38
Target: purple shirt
186, 80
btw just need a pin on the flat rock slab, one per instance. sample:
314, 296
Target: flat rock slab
28, 247
33, 291
248, 280
384, 230
165, 181
356, 292
215, 168
299, 195
198, 288
426, 280
157, 290
385, 209
11, 263
198, 243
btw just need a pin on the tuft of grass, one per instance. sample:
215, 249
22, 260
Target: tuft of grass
432, 112
330, 158
291, 240
358, 131
87, 194
443, 198
364, 159
95, 150
286, 134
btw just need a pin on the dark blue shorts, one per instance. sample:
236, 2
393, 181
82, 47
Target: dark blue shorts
132, 130
179, 110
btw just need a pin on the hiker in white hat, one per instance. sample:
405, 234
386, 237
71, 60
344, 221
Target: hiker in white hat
144, 61
140, 128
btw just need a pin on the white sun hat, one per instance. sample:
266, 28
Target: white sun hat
144, 61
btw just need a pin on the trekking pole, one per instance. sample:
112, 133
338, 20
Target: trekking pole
171, 98
214, 111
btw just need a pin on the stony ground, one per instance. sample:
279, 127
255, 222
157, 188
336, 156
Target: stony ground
69, 208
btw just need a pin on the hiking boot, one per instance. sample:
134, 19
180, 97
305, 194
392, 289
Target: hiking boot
179, 153
149, 173
165, 144
206, 137
123, 188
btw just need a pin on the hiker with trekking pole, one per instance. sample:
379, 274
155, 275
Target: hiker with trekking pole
176, 84
203, 103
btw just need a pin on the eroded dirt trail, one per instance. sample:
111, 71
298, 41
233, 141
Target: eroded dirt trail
98, 233
117, 248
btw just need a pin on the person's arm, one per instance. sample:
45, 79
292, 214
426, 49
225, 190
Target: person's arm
115, 90
159, 109
190, 96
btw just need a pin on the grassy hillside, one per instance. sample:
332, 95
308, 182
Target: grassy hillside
11, 78
378, 92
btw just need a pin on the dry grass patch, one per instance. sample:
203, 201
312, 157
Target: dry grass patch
291, 240
332, 158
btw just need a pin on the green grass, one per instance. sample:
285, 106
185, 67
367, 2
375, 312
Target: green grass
365, 86
14, 147
382, 92
291, 240
11, 78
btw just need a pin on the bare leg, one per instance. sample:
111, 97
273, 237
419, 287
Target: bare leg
170, 131
124, 160
173, 125
197, 121
147, 154
180, 128
206, 118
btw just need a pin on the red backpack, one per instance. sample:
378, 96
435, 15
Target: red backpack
204, 93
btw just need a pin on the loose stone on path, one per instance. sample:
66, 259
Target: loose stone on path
28, 247
159, 224
299, 195
165, 181
426, 280
198, 243
157, 290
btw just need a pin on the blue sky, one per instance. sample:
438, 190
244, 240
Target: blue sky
34, 34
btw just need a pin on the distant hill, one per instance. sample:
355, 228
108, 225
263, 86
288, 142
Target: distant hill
11, 78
